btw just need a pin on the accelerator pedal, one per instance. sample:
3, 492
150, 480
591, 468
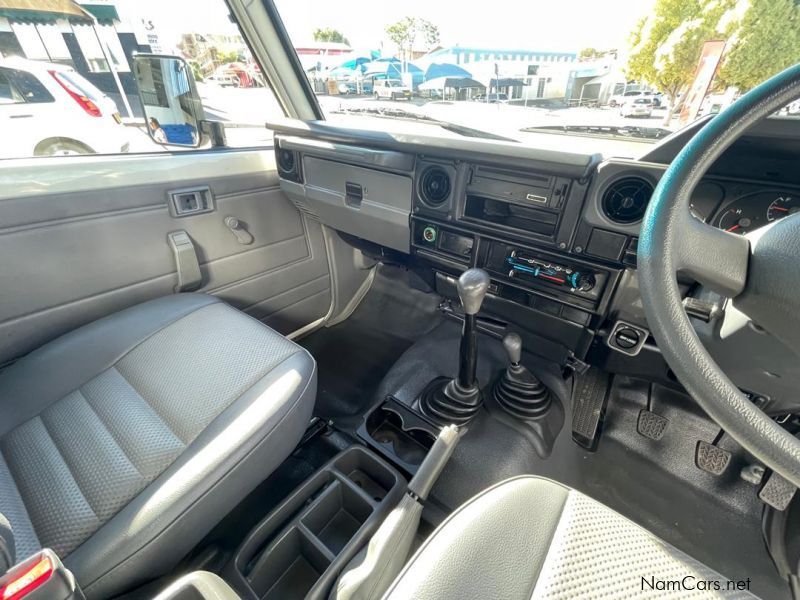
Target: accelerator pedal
589, 399
711, 459
777, 492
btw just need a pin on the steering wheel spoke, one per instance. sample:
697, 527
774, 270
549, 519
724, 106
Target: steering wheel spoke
715, 258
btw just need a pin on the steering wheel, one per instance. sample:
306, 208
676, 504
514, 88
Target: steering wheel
759, 272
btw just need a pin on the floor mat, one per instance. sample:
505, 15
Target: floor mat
354, 356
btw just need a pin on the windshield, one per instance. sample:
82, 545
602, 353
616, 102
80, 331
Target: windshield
534, 72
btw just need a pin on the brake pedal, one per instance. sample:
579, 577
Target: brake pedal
589, 399
777, 492
711, 459
651, 425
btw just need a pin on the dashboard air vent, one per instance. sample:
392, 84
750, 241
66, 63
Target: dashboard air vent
625, 200
434, 186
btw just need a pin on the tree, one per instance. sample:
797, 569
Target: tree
430, 33
404, 33
666, 45
330, 35
763, 42
590, 53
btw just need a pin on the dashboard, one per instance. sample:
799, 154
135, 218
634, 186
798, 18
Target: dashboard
557, 232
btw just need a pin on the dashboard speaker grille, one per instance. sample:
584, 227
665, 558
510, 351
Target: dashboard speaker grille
435, 186
625, 200
287, 164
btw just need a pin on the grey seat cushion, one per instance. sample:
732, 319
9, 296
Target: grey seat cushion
533, 538
125, 441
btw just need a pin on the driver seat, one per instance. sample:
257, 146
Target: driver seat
530, 537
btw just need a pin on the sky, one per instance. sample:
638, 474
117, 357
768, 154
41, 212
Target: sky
555, 25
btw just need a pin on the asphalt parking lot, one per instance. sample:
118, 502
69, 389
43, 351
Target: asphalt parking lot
247, 110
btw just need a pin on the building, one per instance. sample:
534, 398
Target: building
89, 36
522, 74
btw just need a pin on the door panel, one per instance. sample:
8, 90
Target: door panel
75, 255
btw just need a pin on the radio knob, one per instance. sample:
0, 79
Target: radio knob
583, 282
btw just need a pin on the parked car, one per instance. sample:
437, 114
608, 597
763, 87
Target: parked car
656, 99
393, 89
638, 107
49, 109
352, 87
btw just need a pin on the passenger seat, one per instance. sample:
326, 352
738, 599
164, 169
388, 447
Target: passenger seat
124, 442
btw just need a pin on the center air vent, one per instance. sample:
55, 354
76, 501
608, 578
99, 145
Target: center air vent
625, 200
434, 186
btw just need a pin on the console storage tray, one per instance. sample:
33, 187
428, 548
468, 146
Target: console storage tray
300, 548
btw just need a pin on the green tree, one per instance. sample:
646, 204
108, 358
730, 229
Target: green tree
763, 42
330, 35
430, 33
405, 32
666, 45
590, 53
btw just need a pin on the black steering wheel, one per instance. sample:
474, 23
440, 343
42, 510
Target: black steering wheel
759, 272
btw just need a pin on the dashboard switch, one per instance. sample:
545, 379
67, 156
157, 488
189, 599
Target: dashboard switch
429, 234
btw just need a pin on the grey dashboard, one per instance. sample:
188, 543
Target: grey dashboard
557, 231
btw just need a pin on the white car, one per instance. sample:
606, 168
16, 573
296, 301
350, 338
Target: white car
637, 107
392, 89
49, 109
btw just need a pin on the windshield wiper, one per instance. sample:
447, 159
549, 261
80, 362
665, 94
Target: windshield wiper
400, 113
609, 131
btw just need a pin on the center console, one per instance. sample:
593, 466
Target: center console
521, 228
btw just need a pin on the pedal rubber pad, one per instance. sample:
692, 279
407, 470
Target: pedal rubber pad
589, 398
651, 425
711, 459
777, 492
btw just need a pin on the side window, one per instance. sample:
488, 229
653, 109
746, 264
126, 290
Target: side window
72, 64
17, 87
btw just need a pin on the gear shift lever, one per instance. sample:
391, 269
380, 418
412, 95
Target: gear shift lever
518, 391
458, 400
472, 287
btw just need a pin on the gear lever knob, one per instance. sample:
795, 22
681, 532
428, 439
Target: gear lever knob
513, 345
472, 287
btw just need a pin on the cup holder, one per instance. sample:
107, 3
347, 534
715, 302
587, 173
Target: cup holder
399, 434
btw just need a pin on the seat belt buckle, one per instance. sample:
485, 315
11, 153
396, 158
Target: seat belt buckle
40, 577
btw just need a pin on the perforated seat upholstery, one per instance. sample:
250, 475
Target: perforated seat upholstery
124, 442
533, 538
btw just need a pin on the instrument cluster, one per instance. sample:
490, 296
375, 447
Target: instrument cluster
752, 211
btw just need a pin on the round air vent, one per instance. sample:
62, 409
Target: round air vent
286, 162
434, 186
625, 200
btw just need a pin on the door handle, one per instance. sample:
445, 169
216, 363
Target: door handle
237, 228
20, 116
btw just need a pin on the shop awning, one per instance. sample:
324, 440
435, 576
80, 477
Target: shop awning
105, 13
43, 10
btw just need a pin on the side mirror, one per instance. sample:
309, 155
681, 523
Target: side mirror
173, 111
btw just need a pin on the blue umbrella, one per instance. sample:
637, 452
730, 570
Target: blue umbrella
436, 70
355, 63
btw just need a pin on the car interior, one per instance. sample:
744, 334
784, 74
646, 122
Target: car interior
370, 363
